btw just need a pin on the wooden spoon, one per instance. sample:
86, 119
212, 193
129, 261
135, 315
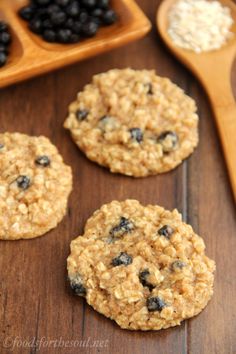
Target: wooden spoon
213, 69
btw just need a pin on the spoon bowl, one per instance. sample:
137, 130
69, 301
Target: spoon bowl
213, 69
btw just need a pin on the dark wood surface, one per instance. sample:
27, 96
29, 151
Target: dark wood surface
35, 302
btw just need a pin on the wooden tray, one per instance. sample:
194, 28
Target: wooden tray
31, 56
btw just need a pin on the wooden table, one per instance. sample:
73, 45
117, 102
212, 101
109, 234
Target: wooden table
35, 302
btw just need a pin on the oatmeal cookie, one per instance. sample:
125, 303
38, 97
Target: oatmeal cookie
134, 122
141, 266
34, 186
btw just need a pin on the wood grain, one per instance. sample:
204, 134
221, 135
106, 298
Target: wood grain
35, 301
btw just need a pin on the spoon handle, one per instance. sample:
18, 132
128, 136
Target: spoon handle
224, 106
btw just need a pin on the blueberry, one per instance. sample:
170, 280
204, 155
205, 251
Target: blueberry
64, 35
155, 304
62, 2
89, 29
36, 26
77, 27
73, 9
177, 265
165, 231
3, 49
3, 59
74, 38
168, 140
122, 259
124, 226
58, 18
83, 17
81, 114
69, 23
27, 13
41, 14
43, 161
97, 13
143, 278
5, 38
3, 26
109, 17
47, 24
88, 3
77, 286
23, 182
42, 2
1, 146
53, 8
150, 89
103, 4
49, 35
136, 134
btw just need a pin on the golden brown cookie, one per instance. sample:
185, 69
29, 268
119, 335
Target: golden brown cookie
141, 266
134, 122
34, 186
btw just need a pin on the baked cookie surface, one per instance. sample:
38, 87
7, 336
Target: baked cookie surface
141, 266
134, 122
34, 186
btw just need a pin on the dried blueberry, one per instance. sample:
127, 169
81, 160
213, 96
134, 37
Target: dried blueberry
77, 27
155, 304
109, 17
27, 12
168, 140
136, 134
74, 38
42, 2
64, 35
143, 278
36, 26
47, 24
124, 226
77, 286
3, 26
88, 3
103, 4
53, 8
73, 9
83, 17
97, 13
5, 38
58, 18
122, 259
3, 59
23, 182
62, 2
43, 161
82, 114
49, 35
90, 28
177, 265
150, 89
165, 231
3, 49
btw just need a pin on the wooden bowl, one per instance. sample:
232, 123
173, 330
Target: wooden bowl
31, 56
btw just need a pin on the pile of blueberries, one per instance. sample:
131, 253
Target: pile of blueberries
67, 21
5, 40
